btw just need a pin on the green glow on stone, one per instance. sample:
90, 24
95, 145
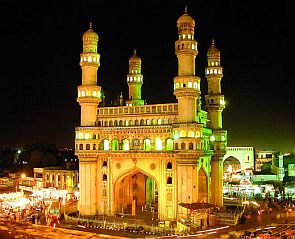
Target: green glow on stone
125, 144
212, 138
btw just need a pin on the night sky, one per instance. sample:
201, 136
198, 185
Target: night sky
41, 45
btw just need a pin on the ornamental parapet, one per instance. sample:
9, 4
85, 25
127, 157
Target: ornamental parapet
155, 109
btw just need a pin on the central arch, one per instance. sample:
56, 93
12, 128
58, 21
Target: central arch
135, 191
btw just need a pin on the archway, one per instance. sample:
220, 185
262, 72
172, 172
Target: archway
203, 187
135, 192
231, 164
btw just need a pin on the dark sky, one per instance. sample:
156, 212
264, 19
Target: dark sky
41, 44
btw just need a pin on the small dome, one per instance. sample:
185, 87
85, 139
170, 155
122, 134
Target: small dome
185, 18
135, 58
90, 34
213, 51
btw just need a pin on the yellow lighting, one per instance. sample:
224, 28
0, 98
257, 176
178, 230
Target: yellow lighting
23, 175
212, 138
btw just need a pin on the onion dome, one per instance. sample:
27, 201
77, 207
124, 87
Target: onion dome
213, 51
135, 58
90, 35
185, 20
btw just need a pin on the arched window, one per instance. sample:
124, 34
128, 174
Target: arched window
115, 144
106, 145
81, 147
131, 123
126, 122
159, 121
104, 164
190, 146
125, 144
94, 146
182, 146
147, 144
153, 121
169, 144
87, 146
104, 177
158, 144
136, 122
111, 124
176, 134
106, 123
98, 123
169, 180
176, 146
148, 122
169, 165
94, 136
141, 122
182, 134
121, 123
197, 135
116, 123
191, 134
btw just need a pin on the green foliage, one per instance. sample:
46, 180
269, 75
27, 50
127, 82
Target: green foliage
266, 168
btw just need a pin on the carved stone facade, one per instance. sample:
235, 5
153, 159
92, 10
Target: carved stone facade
137, 155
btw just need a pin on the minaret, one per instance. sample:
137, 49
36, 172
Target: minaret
89, 93
134, 81
214, 99
186, 84
214, 102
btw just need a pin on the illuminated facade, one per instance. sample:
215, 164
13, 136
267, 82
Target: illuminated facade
138, 155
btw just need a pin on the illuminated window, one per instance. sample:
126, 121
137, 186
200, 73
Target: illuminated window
195, 85
216, 63
83, 93
81, 59
219, 71
125, 144
193, 46
191, 134
212, 138
183, 36
222, 138
98, 94
126, 122
189, 84
176, 135
85, 58
80, 135
148, 122
215, 71
207, 71
130, 78
182, 133
159, 121
94, 93
89, 59
131, 122
115, 144
87, 136
94, 59
169, 144
147, 144
88, 93
106, 145
158, 144
189, 36
177, 85
212, 63
211, 71
79, 94
132, 71
153, 121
